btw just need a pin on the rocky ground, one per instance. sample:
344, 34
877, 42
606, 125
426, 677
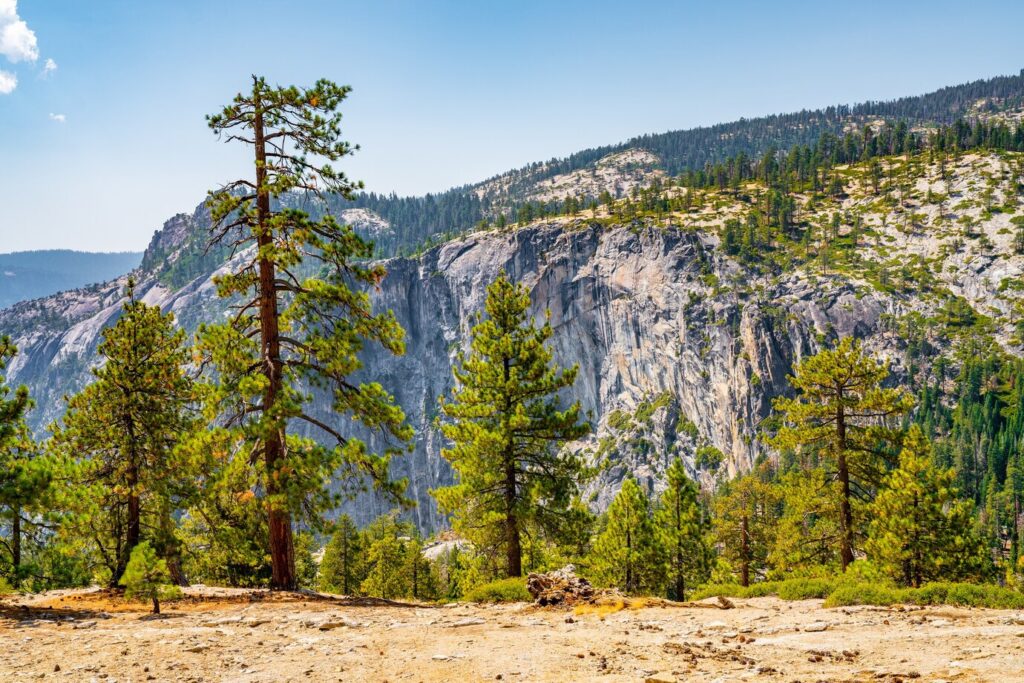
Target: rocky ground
222, 635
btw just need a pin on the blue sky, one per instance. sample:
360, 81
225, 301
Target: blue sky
100, 150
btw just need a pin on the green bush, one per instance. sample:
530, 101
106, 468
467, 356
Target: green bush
505, 590
862, 594
805, 589
5, 588
957, 594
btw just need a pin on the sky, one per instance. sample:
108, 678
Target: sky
102, 102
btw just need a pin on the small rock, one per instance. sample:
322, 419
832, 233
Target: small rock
660, 678
815, 627
440, 658
471, 621
83, 624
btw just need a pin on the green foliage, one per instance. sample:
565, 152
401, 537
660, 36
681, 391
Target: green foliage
146, 577
680, 528
808, 529
386, 557
844, 416
627, 554
342, 568
117, 443
503, 590
958, 594
920, 530
303, 316
708, 457
506, 428
745, 516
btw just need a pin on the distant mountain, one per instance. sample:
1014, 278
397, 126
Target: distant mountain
28, 275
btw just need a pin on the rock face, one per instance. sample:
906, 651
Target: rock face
629, 305
655, 345
680, 348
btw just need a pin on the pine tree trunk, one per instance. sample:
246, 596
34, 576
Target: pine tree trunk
629, 561
16, 544
171, 550
744, 552
156, 605
845, 509
514, 550
282, 551
513, 545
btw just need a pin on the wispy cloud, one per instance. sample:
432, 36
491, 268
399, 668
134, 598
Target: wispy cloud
48, 67
8, 82
59, 118
17, 40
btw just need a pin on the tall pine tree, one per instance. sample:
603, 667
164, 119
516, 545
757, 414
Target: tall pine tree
627, 553
23, 477
304, 314
920, 529
680, 525
506, 425
844, 415
119, 436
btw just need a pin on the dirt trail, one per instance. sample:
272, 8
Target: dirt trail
245, 636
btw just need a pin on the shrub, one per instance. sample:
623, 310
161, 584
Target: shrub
863, 594
805, 589
504, 590
5, 588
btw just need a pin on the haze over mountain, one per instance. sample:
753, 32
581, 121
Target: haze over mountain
33, 274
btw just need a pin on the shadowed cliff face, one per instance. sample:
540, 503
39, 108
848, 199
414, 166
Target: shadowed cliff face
670, 358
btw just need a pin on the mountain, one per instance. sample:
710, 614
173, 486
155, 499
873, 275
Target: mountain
685, 305
34, 274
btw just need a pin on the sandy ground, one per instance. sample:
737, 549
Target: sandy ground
223, 635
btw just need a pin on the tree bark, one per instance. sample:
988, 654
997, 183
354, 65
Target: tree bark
514, 550
744, 552
513, 544
16, 544
282, 551
845, 509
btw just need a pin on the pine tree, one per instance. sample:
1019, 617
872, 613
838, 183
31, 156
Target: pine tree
23, 477
745, 517
679, 522
920, 530
843, 414
419, 576
506, 426
386, 578
146, 576
626, 553
342, 567
304, 316
809, 530
119, 434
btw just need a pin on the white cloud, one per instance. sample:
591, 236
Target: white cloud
8, 81
59, 118
49, 67
17, 40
